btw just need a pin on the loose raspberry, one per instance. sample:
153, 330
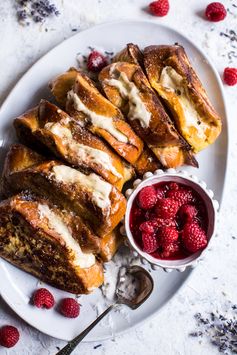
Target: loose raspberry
150, 243
169, 250
187, 213
167, 236
166, 208
230, 76
147, 197
194, 238
160, 193
96, 61
69, 308
215, 12
9, 336
181, 196
173, 186
159, 8
42, 298
148, 227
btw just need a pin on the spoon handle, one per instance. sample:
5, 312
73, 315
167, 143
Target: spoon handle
68, 349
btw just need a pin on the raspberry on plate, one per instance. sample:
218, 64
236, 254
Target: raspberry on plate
9, 336
69, 308
167, 236
159, 8
147, 197
181, 196
42, 298
215, 12
194, 238
166, 208
150, 243
96, 61
187, 213
230, 76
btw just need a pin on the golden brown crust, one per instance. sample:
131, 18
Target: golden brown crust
110, 244
62, 84
48, 119
131, 54
174, 60
160, 135
92, 98
75, 197
147, 162
28, 242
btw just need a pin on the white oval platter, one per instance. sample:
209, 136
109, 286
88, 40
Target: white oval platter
16, 286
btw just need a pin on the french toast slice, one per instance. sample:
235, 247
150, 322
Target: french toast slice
43, 241
87, 195
173, 77
130, 54
127, 87
86, 104
68, 140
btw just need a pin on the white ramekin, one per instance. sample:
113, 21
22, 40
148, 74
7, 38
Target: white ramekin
184, 178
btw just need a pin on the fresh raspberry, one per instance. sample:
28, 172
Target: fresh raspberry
150, 243
69, 308
173, 186
9, 336
169, 250
42, 298
96, 61
194, 238
166, 208
159, 8
147, 197
230, 76
160, 193
181, 196
148, 227
187, 213
167, 236
215, 12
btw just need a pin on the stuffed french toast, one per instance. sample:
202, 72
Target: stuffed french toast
71, 142
43, 240
127, 87
173, 77
87, 195
86, 104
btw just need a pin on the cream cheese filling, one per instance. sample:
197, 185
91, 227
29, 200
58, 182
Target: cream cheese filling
99, 188
97, 120
83, 260
173, 81
83, 152
129, 91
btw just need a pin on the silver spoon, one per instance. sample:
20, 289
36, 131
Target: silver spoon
134, 286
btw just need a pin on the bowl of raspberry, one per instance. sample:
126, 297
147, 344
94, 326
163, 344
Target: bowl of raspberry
170, 219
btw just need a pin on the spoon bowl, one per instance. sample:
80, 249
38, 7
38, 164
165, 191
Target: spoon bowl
134, 286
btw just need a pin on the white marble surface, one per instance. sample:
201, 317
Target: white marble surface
214, 282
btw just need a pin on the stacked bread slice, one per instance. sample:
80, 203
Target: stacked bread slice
60, 221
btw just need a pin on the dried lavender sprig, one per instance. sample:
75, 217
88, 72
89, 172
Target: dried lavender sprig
35, 10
